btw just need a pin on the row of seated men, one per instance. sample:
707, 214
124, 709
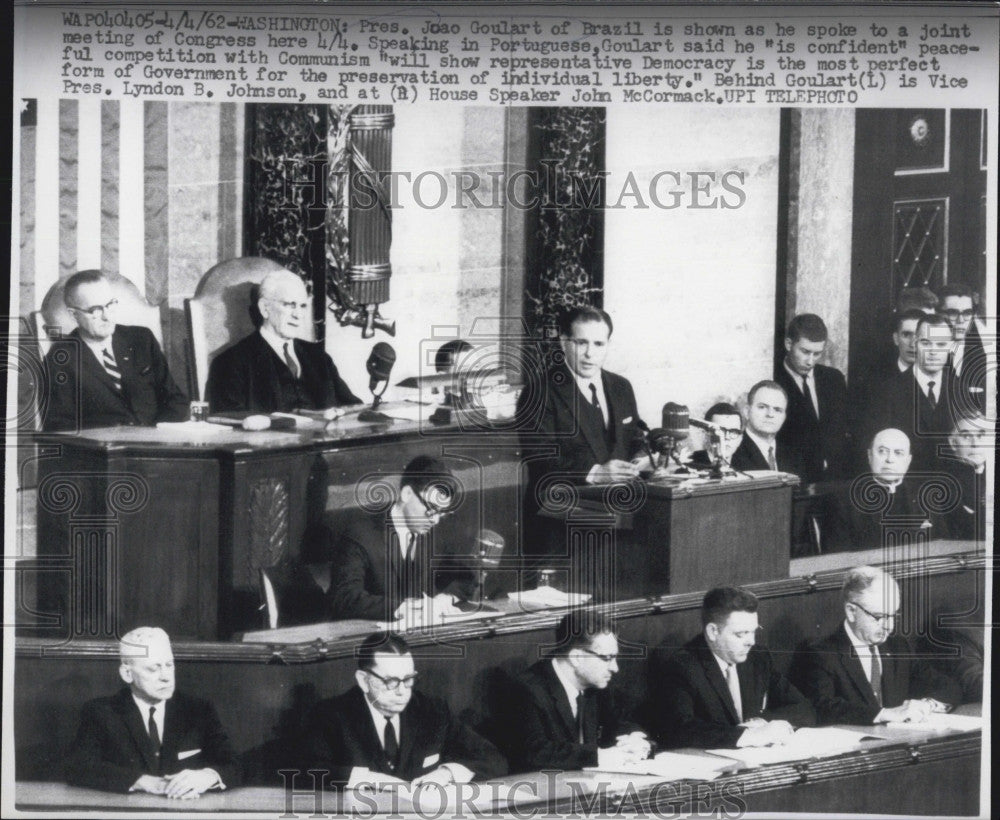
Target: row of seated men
803, 422
720, 690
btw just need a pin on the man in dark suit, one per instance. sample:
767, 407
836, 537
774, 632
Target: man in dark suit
583, 416
760, 449
815, 427
862, 673
971, 441
382, 565
968, 363
882, 505
919, 401
720, 689
561, 712
384, 730
104, 374
272, 370
730, 423
147, 737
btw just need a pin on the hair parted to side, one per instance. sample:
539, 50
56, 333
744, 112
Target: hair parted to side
584, 313
858, 579
579, 627
719, 603
385, 643
807, 326
765, 383
73, 284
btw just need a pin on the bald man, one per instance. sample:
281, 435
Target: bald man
864, 674
273, 369
149, 738
884, 500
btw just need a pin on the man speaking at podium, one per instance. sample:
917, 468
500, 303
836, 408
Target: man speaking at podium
587, 414
272, 370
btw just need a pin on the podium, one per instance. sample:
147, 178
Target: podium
647, 539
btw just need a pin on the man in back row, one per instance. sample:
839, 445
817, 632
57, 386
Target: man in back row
104, 374
815, 428
274, 369
760, 449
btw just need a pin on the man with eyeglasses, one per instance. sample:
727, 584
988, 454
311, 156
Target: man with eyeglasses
919, 401
972, 441
815, 425
383, 730
561, 713
968, 359
721, 690
104, 374
730, 423
274, 369
382, 566
862, 673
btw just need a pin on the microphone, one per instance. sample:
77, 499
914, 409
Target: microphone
701, 424
661, 441
488, 549
675, 420
379, 364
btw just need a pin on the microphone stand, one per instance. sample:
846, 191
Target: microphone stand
372, 413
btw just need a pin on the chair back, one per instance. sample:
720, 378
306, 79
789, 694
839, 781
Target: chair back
54, 319
222, 311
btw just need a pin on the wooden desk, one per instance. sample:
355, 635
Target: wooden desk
937, 774
140, 525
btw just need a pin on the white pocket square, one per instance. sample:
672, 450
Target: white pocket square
626, 421
431, 760
188, 753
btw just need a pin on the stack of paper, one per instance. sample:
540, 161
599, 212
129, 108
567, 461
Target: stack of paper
673, 766
803, 745
939, 721
545, 597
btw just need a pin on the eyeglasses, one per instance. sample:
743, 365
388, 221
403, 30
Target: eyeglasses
952, 315
393, 684
605, 658
430, 510
291, 305
93, 311
730, 433
881, 617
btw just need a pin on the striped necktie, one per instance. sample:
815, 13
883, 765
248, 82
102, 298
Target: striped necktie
290, 360
108, 361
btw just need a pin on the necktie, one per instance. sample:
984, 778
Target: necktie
154, 731
108, 360
290, 360
876, 675
733, 682
391, 744
772, 463
595, 402
809, 398
930, 395
580, 730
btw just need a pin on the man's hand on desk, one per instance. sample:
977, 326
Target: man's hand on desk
911, 711
191, 783
151, 784
613, 470
635, 744
760, 732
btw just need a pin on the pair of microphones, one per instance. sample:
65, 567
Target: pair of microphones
675, 424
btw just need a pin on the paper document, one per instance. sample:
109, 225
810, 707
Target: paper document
803, 745
192, 428
941, 721
673, 766
544, 597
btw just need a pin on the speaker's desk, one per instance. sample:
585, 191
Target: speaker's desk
147, 525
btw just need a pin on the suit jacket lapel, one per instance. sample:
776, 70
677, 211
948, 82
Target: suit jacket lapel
757, 458
89, 361
570, 395
855, 671
718, 683
560, 700
137, 729
408, 728
367, 736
